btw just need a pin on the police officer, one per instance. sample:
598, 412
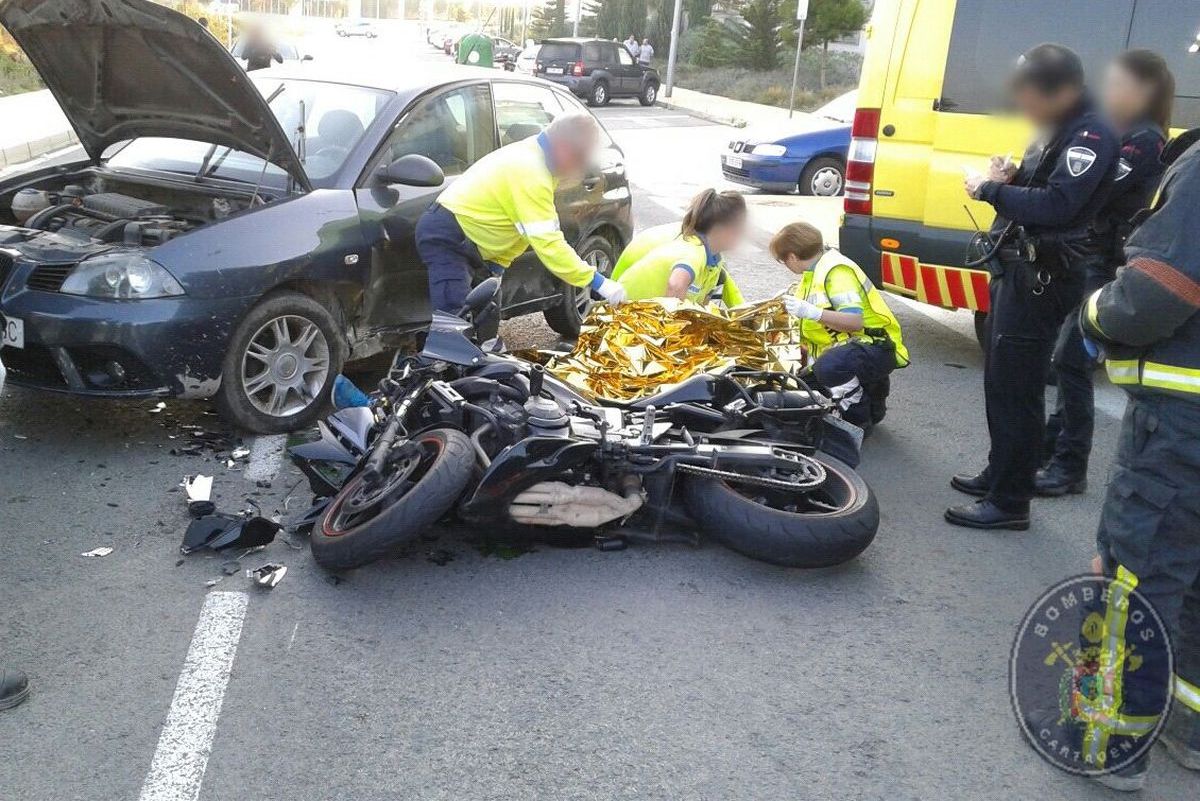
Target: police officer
1041, 240
1149, 535
503, 204
1139, 91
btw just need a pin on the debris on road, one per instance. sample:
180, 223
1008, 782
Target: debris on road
239, 453
103, 550
231, 568
219, 531
268, 575
158, 408
199, 495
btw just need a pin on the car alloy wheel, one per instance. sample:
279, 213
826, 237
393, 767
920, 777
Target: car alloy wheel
827, 182
651, 94
599, 94
285, 366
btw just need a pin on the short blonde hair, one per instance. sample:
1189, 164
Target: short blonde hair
799, 239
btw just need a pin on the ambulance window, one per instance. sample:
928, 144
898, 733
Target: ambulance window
988, 36
1168, 27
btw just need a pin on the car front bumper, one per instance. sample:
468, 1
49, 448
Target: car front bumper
104, 348
776, 173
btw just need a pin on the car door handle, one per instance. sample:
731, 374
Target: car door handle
591, 182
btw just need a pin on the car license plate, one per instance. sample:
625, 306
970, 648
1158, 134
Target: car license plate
12, 332
554, 70
733, 161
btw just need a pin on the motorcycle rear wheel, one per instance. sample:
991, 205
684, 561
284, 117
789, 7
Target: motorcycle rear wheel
831, 525
363, 525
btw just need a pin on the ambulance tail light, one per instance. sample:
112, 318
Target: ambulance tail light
577, 70
860, 161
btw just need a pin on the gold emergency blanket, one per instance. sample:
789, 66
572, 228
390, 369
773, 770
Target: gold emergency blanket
633, 350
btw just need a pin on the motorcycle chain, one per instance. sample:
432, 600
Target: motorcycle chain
815, 476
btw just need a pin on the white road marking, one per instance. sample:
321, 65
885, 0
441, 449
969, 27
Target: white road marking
187, 735
266, 456
292, 639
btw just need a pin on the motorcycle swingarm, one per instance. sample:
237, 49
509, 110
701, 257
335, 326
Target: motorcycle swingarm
518, 468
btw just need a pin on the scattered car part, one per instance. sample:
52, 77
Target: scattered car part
103, 550
199, 495
219, 531
268, 575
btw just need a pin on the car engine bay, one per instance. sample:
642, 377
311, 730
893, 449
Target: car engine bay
103, 209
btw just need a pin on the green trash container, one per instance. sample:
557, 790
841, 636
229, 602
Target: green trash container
475, 49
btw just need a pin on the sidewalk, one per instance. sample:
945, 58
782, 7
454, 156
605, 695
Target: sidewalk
33, 125
723, 110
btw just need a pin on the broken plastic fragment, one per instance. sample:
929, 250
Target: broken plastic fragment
199, 495
103, 550
268, 575
239, 453
158, 407
213, 582
218, 531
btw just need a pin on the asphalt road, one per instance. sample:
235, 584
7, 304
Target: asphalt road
659, 672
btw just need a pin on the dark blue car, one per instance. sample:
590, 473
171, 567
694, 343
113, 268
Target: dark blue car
810, 156
243, 237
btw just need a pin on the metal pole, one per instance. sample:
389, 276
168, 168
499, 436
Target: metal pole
674, 49
578, 14
796, 69
525, 26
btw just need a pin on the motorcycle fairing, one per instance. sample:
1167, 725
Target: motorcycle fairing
518, 468
449, 341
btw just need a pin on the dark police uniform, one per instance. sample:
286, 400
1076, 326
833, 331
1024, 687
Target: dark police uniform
1043, 219
1069, 430
1148, 323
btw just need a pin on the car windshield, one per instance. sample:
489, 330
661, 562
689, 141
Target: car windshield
323, 121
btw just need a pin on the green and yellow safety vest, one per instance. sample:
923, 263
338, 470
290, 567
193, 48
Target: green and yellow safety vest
836, 283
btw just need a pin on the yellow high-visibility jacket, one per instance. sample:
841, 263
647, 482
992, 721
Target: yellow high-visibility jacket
505, 203
647, 277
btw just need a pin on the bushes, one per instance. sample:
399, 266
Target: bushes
772, 87
16, 73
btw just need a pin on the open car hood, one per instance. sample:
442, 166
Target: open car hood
121, 69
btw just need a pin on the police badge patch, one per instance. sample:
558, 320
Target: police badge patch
1080, 160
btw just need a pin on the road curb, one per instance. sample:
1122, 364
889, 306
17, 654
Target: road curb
13, 155
736, 122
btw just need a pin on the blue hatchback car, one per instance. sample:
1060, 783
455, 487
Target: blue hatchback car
810, 157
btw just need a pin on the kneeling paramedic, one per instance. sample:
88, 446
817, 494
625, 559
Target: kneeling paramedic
503, 204
685, 261
843, 319
1148, 323
1038, 252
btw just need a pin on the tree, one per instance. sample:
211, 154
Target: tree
711, 49
829, 20
549, 20
761, 33
698, 12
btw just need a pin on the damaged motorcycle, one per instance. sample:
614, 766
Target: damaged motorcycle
498, 441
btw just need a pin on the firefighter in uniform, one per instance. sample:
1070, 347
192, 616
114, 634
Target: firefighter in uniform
503, 204
685, 260
852, 335
1138, 95
1040, 245
1148, 324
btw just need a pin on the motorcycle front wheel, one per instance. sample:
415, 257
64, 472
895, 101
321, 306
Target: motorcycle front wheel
365, 523
822, 527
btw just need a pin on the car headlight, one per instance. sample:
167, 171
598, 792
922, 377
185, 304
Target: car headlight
769, 150
121, 276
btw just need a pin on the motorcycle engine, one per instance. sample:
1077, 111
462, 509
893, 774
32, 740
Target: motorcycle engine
546, 418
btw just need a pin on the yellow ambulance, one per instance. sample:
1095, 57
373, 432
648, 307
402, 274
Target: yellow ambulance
931, 87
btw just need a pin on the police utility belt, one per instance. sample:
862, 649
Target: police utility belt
1051, 254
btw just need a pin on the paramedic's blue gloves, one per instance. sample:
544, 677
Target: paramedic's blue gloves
348, 396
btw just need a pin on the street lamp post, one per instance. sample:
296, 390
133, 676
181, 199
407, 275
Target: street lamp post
801, 16
578, 14
673, 52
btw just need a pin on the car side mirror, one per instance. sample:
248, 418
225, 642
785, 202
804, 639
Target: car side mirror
307, 57
411, 170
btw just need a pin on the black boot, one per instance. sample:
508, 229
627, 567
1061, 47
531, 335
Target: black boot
1054, 481
14, 688
978, 484
1181, 737
1128, 779
986, 515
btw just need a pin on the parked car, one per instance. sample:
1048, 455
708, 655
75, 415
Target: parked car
360, 27
504, 50
597, 70
290, 51
526, 62
197, 252
809, 157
